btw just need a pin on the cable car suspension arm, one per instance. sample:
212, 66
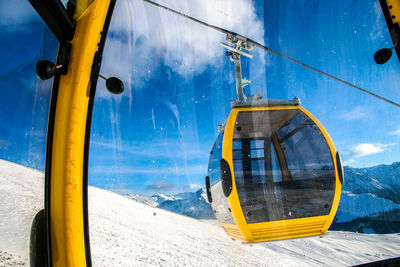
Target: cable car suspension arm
239, 43
256, 44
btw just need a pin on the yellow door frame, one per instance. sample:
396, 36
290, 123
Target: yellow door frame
68, 138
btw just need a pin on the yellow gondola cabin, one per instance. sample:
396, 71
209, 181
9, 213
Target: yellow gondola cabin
274, 173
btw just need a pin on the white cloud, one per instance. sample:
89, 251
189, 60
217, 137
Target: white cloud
189, 44
348, 162
397, 132
356, 114
190, 187
142, 36
366, 149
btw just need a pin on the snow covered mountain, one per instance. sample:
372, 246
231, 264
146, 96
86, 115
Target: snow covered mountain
192, 204
149, 201
370, 201
156, 199
160, 198
383, 181
127, 233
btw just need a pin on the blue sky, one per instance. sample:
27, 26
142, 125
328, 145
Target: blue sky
24, 100
157, 135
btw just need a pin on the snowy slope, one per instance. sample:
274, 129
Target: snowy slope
21, 197
370, 200
354, 206
127, 233
133, 236
381, 180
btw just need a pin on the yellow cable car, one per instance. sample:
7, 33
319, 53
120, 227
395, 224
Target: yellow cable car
274, 173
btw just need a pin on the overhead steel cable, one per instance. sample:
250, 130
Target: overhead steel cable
273, 52
329, 75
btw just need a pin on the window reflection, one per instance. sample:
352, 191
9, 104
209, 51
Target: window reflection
283, 169
220, 203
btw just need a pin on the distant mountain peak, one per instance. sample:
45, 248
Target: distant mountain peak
367, 193
192, 204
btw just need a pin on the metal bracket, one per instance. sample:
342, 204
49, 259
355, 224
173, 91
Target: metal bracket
46, 69
63, 57
258, 100
235, 51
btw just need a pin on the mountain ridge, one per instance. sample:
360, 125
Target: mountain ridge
126, 233
370, 199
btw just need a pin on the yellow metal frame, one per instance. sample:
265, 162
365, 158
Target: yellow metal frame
394, 11
67, 157
276, 229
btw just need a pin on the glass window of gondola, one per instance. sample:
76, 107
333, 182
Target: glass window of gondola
283, 166
215, 157
220, 204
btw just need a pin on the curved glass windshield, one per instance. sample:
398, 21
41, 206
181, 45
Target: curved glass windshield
215, 156
24, 106
283, 166
150, 145
219, 202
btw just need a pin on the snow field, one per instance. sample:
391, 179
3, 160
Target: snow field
127, 233
132, 236
21, 197
136, 237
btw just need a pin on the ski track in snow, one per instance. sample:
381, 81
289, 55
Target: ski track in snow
127, 233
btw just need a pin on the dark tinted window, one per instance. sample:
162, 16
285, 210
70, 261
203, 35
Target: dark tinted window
215, 157
282, 166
